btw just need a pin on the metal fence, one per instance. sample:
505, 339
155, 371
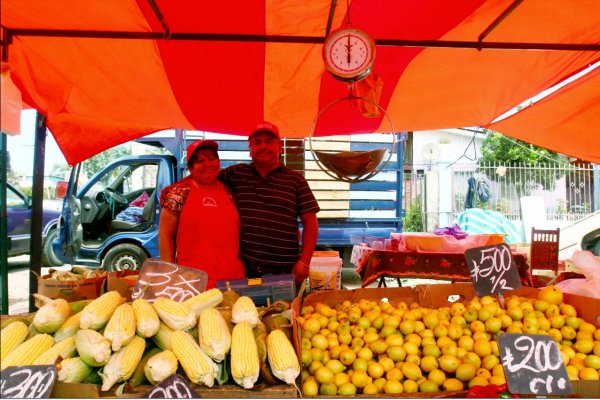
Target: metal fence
567, 190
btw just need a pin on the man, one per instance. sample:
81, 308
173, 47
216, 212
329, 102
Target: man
270, 197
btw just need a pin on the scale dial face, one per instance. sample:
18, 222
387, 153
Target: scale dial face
349, 54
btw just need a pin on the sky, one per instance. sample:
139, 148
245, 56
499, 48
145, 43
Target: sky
21, 147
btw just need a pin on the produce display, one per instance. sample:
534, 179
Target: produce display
106, 341
380, 347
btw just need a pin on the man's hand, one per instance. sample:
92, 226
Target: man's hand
300, 272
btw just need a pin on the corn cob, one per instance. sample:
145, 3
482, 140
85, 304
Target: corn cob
73, 370
28, 351
163, 337
69, 328
51, 316
93, 348
175, 315
245, 364
282, 357
146, 319
120, 329
12, 336
213, 334
244, 309
96, 314
63, 349
209, 299
121, 364
161, 366
198, 367
139, 376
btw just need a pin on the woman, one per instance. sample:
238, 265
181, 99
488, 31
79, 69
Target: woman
199, 223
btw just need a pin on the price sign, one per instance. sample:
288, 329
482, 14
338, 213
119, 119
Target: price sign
492, 269
163, 279
173, 387
27, 382
533, 364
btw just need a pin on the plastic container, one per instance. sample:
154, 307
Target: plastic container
325, 273
269, 288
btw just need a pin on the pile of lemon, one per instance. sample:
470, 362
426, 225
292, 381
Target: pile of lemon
378, 348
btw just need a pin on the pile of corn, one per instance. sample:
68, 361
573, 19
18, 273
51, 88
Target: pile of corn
111, 341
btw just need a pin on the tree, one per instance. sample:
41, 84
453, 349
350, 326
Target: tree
498, 149
96, 163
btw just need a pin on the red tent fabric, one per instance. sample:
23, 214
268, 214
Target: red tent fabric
107, 72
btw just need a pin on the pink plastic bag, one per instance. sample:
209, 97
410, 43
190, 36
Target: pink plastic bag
140, 201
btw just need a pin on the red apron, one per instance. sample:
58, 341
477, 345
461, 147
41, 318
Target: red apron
208, 235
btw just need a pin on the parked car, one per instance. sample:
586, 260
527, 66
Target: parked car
18, 207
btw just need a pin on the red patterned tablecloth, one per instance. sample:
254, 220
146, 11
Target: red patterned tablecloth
373, 264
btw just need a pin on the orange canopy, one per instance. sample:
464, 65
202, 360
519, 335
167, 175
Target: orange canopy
107, 72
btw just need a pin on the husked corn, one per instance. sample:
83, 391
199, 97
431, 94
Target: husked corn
245, 365
209, 299
69, 328
28, 351
175, 315
146, 319
121, 364
93, 348
213, 334
63, 349
73, 370
198, 367
162, 338
120, 329
51, 316
96, 314
244, 309
282, 357
12, 336
161, 366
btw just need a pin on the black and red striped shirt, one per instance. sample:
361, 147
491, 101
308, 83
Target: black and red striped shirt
269, 209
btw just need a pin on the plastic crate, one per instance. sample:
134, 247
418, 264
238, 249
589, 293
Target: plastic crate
271, 287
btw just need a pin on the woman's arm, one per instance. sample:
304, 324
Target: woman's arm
167, 232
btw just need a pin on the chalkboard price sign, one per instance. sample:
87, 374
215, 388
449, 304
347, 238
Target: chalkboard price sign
492, 268
173, 387
27, 382
163, 279
533, 364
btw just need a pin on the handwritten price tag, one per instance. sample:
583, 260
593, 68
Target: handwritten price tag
533, 364
173, 387
162, 279
27, 382
492, 269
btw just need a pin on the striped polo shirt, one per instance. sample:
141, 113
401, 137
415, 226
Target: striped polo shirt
269, 209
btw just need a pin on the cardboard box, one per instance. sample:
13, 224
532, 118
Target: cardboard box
435, 296
82, 289
123, 282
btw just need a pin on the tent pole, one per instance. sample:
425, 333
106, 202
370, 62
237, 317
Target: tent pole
4, 241
35, 258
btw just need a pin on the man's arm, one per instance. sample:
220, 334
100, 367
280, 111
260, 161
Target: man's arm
310, 233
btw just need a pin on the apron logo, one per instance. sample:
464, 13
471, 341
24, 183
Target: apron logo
209, 202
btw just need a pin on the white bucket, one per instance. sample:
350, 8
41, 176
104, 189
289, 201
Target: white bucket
325, 273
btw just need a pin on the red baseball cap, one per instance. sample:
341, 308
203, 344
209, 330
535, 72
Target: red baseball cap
200, 144
265, 127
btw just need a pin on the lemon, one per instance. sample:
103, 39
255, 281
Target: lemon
410, 386
340, 378
371, 388
324, 375
428, 386
411, 371
589, 374
375, 370
310, 388
437, 375
429, 363
465, 372
394, 374
452, 384
360, 379
328, 389
392, 387
478, 381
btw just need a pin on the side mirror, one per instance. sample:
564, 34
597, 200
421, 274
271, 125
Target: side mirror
61, 189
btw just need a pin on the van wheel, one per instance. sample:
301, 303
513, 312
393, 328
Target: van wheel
123, 257
49, 259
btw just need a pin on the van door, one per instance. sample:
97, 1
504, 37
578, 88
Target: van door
71, 230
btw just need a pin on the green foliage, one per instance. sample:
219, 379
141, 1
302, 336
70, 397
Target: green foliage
500, 150
96, 163
413, 219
